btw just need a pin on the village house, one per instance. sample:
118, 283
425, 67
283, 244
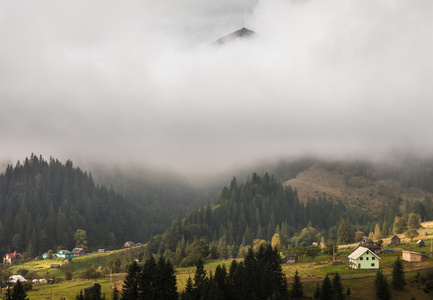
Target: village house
55, 266
11, 258
368, 243
78, 252
411, 256
290, 258
363, 259
420, 243
15, 278
129, 244
63, 254
395, 241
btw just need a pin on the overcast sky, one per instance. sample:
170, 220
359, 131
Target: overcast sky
138, 81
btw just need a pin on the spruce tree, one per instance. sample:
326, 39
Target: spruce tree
326, 292
297, 291
130, 289
398, 280
115, 295
337, 287
317, 292
18, 292
343, 235
382, 286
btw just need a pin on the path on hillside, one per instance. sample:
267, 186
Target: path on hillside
359, 276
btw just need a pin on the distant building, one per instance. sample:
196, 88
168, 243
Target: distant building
16, 278
129, 244
290, 258
420, 243
63, 254
101, 250
78, 252
363, 259
368, 243
411, 256
55, 266
395, 241
11, 258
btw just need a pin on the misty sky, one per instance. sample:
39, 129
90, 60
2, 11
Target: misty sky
138, 81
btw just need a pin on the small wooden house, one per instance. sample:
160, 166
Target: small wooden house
78, 252
129, 244
55, 266
411, 256
290, 258
395, 241
420, 243
363, 259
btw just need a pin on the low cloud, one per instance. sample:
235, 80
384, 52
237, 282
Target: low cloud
140, 81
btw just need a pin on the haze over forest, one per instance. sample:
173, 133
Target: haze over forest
139, 82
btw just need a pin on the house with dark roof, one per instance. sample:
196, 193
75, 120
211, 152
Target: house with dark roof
78, 252
11, 258
368, 243
363, 259
290, 258
420, 243
129, 244
395, 241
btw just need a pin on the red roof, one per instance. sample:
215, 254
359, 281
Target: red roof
15, 255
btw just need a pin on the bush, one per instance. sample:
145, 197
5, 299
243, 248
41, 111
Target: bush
22, 272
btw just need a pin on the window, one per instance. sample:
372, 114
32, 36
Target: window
373, 258
361, 258
366, 258
372, 264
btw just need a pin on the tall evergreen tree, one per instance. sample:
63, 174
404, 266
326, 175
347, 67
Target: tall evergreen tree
131, 283
18, 292
382, 286
398, 279
326, 292
343, 235
297, 291
337, 287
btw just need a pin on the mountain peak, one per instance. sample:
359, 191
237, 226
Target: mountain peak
241, 33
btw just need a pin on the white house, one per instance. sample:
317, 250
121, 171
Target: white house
16, 278
363, 259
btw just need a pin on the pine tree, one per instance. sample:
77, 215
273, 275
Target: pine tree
382, 286
343, 235
297, 291
326, 292
377, 235
18, 292
317, 292
130, 289
337, 287
398, 280
115, 295
188, 293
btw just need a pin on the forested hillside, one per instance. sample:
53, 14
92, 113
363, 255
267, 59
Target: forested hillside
257, 210
43, 203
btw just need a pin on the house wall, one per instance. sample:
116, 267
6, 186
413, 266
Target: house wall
412, 257
366, 260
